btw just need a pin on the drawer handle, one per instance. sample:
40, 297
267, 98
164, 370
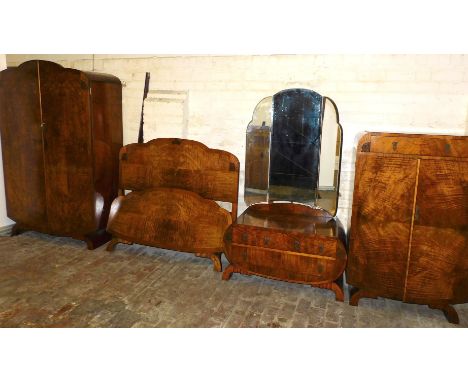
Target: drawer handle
394, 145
297, 245
320, 248
320, 268
266, 240
416, 214
245, 237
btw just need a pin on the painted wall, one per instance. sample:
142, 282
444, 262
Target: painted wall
211, 98
4, 221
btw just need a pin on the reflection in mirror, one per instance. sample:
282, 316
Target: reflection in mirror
258, 149
295, 145
293, 150
330, 158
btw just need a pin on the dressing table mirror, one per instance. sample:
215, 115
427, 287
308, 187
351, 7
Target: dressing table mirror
292, 169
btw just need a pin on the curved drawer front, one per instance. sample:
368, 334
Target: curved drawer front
284, 241
288, 266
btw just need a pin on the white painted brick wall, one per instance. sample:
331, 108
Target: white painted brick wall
401, 93
4, 221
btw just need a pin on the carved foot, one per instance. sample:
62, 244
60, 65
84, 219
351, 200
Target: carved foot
111, 246
449, 311
356, 294
335, 287
228, 272
215, 257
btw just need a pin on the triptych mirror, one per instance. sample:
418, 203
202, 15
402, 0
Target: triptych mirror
293, 150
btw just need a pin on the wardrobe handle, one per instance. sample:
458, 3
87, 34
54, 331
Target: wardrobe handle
297, 245
416, 214
43, 134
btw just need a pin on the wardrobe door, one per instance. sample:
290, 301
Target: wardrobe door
21, 135
68, 151
438, 264
381, 223
107, 140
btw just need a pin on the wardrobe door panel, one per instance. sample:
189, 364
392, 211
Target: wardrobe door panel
68, 149
21, 134
107, 141
438, 265
381, 223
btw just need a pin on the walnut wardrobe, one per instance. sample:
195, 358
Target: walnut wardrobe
409, 226
61, 131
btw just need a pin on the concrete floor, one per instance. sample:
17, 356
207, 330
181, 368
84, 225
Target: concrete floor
48, 281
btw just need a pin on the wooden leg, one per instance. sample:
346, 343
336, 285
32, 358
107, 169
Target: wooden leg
215, 257
96, 239
336, 287
356, 294
16, 230
228, 272
111, 246
449, 311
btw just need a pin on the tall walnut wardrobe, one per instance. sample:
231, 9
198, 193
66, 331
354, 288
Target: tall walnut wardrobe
61, 132
409, 226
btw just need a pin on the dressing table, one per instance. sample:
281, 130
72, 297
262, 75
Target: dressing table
289, 231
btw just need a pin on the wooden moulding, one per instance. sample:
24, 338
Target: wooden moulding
174, 186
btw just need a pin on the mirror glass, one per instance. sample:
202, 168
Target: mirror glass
293, 150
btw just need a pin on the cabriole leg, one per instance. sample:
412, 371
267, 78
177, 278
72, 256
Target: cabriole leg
449, 311
228, 272
356, 294
111, 246
215, 257
336, 287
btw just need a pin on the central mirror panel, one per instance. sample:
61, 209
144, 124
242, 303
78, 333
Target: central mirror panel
293, 150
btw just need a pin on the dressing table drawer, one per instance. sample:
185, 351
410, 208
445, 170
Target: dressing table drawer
290, 242
284, 265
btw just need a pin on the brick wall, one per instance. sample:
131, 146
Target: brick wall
211, 98
4, 221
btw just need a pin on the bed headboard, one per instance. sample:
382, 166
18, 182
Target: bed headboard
183, 164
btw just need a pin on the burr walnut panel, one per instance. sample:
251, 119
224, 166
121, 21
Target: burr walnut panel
169, 218
184, 164
381, 235
69, 165
21, 132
